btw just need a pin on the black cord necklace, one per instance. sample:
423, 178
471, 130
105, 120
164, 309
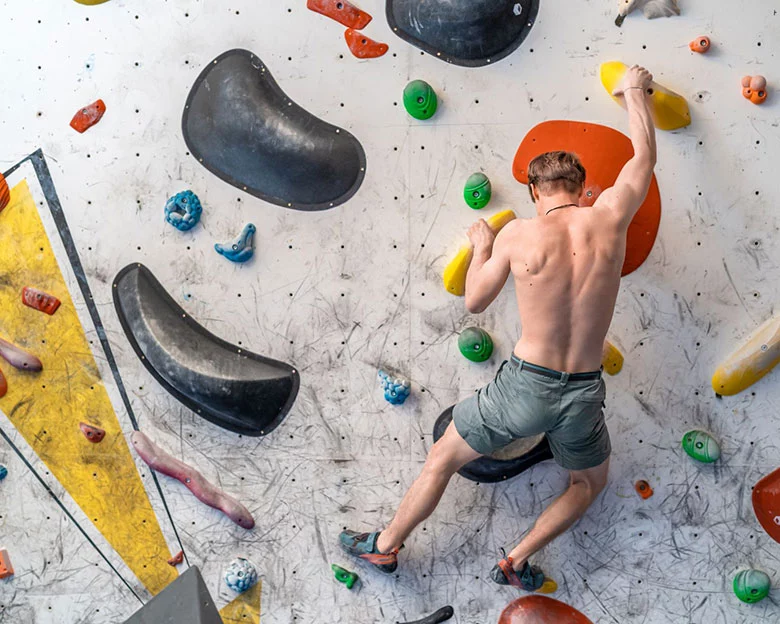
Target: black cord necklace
558, 208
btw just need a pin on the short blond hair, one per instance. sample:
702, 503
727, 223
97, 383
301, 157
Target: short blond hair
552, 172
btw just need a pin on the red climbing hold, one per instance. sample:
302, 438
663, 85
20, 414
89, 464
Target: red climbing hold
6, 569
3, 385
363, 47
536, 609
700, 44
176, 559
643, 489
341, 11
93, 434
5, 194
766, 503
39, 300
88, 116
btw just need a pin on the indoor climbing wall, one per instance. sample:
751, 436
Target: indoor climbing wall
333, 293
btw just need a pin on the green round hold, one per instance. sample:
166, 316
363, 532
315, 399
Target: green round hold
475, 344
751, 585
477, 191
420, 99
701, 446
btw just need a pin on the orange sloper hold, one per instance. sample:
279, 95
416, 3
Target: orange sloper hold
754, 89
6, 569
766, 503
342, 11
88, 116
700, 44
536, 609
603, 152
363, 47
643, 489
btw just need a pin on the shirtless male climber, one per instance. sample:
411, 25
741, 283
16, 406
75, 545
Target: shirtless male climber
566, 264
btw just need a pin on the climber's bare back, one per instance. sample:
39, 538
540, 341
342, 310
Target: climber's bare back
566, 267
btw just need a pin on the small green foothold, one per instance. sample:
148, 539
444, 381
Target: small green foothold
701, 446
751, 585
477, 191
344, 576
420, 99
475, 344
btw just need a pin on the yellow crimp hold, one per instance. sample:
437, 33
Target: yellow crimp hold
47, 407
759, 355
669, 109
611, 358
548, 587
454, 276
245, 609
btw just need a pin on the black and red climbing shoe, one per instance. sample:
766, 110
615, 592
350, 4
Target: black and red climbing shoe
363, 545
530, 578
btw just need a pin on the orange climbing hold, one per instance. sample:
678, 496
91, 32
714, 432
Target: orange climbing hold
6, 569
536, 609
5, 194
754, 89
92, 433
88, 116
766, 503
342, 11
363, 47
643, 489
176, 559
39, 300
700, 44
603, 152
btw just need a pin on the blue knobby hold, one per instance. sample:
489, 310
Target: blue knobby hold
3, 472
242, 248
396, 390
183, 210
240, 575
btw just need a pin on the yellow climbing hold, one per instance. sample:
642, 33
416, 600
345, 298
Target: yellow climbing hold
91, 2
759, 355
611, 358
669, 109
245, 609
47, 407
548, 587
454, 276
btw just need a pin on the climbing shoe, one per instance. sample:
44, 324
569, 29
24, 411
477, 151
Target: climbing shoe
363, 545
530, 578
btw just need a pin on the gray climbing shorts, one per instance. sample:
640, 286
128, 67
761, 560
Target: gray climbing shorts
525, 400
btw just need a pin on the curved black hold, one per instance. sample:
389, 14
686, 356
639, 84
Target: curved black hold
471, 33
488, 469
442, 615
242, 127
229, 386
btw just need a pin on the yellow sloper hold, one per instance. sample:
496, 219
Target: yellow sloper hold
245, 609
611, 358
669, 109
454, 276
759, 355
47, 407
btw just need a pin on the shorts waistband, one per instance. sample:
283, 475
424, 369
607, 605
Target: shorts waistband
554, 374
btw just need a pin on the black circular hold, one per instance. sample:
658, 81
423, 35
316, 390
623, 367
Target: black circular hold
504, 463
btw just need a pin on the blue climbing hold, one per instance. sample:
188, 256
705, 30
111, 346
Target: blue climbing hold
240, 575
3, 472
396, 390
243, 246
183, 210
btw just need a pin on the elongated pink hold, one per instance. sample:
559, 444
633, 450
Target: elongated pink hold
19, 358
204, 491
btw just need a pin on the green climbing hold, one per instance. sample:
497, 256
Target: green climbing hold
420, 99
751, 585
475, 344
344, 576
477, 191
701, 446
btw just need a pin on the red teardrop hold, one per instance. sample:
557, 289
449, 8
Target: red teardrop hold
363, 47
93, 434
88, 116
